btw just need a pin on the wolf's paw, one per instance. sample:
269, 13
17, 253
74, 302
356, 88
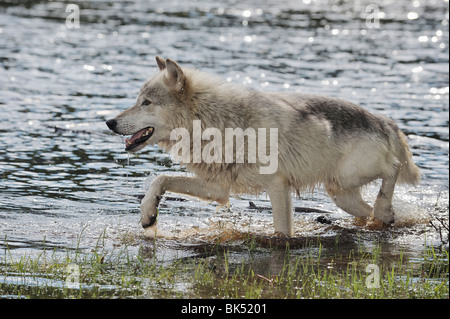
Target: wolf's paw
149, 213
387, 218
149, 210
384, 213
360, 221
148, 221
376, 224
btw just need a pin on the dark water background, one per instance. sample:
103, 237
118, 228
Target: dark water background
66, 187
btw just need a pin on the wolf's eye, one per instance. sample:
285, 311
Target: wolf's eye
146, 102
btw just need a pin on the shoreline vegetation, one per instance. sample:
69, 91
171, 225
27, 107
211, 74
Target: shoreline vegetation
220, 271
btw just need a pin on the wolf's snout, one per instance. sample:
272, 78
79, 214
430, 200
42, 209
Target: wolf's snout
111, 124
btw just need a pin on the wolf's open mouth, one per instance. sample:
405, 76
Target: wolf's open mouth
138, 138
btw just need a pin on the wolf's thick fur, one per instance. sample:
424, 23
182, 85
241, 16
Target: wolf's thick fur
321, 140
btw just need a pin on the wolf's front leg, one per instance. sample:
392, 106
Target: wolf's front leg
192, 186
280, 196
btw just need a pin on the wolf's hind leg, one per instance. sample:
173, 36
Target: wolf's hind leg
350, 200
382, 209
192, 186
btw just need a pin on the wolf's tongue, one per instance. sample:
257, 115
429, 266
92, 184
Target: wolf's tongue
135, 137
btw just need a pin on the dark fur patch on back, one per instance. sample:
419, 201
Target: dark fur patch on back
345, 117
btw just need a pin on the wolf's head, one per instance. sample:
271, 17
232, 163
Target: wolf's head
152, 118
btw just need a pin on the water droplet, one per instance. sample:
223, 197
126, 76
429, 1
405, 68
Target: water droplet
89, 67
412, 15
246, 13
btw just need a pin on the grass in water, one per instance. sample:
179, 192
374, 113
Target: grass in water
220, 272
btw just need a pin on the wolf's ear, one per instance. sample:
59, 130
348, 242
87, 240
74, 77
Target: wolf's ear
175, 78
161, 63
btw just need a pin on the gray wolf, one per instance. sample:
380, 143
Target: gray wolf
321, 141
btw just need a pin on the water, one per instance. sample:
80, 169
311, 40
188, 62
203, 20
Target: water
66, 181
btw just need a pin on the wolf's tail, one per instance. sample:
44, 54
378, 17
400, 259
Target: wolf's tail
409, 172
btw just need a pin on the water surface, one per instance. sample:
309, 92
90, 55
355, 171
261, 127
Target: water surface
66, 181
